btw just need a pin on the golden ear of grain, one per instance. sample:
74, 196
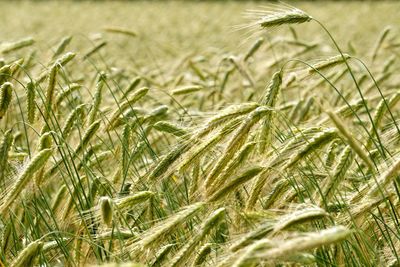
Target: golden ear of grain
58, 199
5, 73
162, 254
34, 165
87, 136
97, 98
269, 100
139, 94
235, 143
299, 216
132, 85
11, 47
50, 90
30, 101
62, 45
236, 181
76, 115
283, 16
201, 257
351, 140
66, 93
380, 41
167, 226
5, 147
253, 49
385, 179
185, 252
27, 256
328, 63
270, 251
345, 161
6, 91
168, 127
120, 31
106, 209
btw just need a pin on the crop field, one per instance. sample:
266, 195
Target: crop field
185, 133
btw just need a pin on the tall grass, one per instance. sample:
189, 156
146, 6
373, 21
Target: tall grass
245, 159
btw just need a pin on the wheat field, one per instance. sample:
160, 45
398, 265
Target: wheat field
199, 133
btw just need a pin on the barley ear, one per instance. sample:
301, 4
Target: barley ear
27, 256
30, 101
6, 91
106, 208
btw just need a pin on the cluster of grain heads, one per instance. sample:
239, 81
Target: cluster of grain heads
192, 172
235, 143
269, 251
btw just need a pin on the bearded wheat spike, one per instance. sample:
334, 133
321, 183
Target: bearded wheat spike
66, 92
236, 181
380, 41
121, 31
106, 208
6, 91
51, 85
30, 101
299, 216
204, 251
345, 161
272, 18
62, 45
34, 165
126, 104
167, 226
11, 47
328, 63
61, 194
5, 147
97, 98
212, 221
132, 85
269, 100
72, 118
309, 241
28, 254
385, 179
168, 127
162, 254
351, 140
5, 73
253, 49
235, 143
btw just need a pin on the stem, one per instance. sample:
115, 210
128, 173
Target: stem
357, 85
